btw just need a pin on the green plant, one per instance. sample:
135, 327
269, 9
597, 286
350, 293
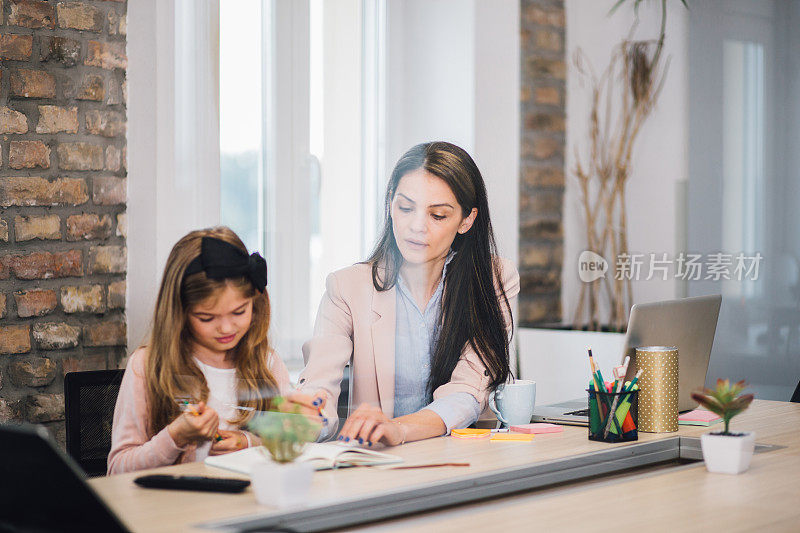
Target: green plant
284, 433
726, 400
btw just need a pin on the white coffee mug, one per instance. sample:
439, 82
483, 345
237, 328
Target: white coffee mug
513, 402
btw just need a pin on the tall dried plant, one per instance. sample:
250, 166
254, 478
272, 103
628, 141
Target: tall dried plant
622, 98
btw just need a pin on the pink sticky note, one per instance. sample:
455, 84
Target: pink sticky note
538, 428
699, 415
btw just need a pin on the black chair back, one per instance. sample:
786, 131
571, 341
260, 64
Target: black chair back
343, 405
89, 400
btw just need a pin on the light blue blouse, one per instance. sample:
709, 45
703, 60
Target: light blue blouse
416, 332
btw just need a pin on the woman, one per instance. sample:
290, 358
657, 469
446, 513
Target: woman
427, 318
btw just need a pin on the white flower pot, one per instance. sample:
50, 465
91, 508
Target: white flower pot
282, 485
726, 454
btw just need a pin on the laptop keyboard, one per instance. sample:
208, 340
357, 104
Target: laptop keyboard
579, 412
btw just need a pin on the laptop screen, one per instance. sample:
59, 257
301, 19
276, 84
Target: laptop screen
43, 489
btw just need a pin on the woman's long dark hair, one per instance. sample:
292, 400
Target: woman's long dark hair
470, 313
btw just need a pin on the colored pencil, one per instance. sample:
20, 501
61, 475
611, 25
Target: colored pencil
617, 389
190, 407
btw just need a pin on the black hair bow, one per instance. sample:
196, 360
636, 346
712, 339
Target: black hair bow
222, 260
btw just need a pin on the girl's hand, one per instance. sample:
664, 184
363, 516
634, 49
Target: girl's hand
192, 427
368, 425
232, 441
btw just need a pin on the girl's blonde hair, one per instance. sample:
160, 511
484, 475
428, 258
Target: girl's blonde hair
170, 372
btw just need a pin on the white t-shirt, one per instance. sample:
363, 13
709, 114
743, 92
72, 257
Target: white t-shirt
221, 398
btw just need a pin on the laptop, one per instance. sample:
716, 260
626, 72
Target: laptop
688, 324
44, 490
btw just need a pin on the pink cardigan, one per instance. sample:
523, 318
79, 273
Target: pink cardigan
357, 321
131, 449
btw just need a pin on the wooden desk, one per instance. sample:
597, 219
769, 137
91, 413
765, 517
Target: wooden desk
687, 496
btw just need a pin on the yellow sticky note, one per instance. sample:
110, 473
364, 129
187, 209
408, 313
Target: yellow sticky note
516, 437
469, 433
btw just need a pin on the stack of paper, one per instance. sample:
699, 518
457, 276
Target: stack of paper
698, 417
511, 437
538, 428
469, 433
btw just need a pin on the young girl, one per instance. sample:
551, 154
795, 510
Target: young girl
208, 364
426, 320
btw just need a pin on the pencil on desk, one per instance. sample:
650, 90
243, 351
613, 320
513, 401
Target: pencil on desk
431, 465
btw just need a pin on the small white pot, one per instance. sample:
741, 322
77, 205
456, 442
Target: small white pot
280, 485
726, 454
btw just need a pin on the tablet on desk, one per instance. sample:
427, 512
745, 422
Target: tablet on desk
43, 489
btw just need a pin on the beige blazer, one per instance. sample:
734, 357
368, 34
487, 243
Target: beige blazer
356, 321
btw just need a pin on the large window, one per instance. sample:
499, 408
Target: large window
743, 153
743, 187
241, 137
301, 142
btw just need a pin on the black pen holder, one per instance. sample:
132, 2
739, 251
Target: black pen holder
621, 427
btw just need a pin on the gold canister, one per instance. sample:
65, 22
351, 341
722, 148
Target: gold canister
658, 388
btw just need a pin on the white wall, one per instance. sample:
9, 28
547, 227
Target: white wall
454, 76
145, 17
497, 116
168, 195
431, 74
660, 160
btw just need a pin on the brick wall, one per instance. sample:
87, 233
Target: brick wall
542, 106
62, 199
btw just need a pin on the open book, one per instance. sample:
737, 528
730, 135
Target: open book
324, 456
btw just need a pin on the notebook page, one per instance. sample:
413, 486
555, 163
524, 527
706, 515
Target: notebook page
322, 456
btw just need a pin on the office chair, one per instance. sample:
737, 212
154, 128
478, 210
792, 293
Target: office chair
796, 395
89, 399
343, 405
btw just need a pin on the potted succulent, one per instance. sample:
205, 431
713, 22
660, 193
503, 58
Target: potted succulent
284, 434
723, 451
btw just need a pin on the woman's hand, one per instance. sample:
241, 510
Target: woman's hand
309, 405
231, 441
202, 424
368, 425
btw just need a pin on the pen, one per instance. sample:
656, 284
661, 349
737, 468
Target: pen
241, 407
190, 407
633, 381
502, 430
318, 403
619, 374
